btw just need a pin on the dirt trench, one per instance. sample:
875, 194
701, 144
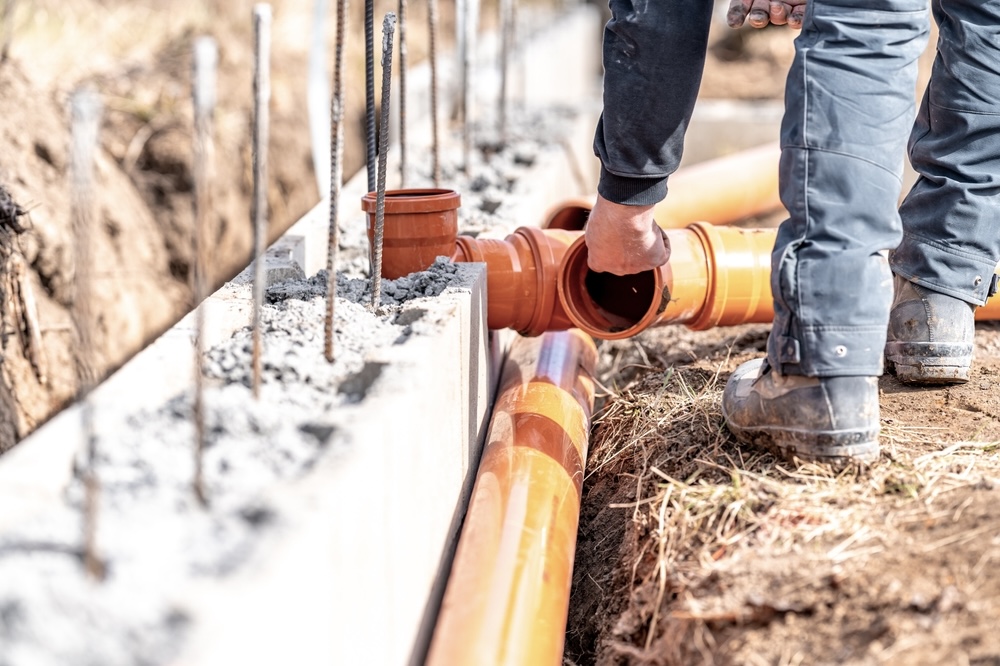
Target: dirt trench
694, 549
137, 56
142, 195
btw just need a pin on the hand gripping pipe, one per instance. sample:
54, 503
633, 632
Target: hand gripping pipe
719, 191
716, 276
507, 598
539, 281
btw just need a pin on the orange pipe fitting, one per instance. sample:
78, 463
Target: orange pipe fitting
716, 276
418, 226
507, 598
719, 191
521, 278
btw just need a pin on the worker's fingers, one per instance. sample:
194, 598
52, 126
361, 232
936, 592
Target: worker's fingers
624, 239
737, 14
796, 16
755, 12
760, 13
779, 12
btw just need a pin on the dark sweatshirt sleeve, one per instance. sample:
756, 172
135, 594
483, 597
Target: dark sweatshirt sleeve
654, 54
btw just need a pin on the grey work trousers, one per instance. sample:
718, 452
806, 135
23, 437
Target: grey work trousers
848, 106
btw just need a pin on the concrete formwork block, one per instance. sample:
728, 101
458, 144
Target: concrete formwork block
35, 473
355, 574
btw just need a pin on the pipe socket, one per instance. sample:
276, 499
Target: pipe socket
521, 278
418, 226
716, 276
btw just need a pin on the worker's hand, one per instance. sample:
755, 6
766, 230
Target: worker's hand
760, 13
624, 239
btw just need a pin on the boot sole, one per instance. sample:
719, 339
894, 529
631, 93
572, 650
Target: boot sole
838, 448
929, 362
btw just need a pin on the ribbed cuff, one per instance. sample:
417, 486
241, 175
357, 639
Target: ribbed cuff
632, 191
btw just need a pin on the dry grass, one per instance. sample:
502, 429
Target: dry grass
701, 502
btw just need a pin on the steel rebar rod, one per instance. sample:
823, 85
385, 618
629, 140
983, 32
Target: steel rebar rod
402, 93
318, 97
506, 35
370, 93
8, 27
86, 112
432, 20
461, 16
261, 127
388, 26
205, 66
466, 68
336, 176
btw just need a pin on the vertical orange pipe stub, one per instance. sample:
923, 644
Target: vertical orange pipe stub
508, 593
418, 226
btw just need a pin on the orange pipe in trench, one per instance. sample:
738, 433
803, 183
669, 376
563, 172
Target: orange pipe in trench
508, 594
718, 191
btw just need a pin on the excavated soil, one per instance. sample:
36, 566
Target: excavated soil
138, 60
696, 550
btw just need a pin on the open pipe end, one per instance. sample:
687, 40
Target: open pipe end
571, 216
419, 226
608, 306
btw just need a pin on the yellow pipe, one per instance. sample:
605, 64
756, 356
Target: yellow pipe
990, 311
718, 191
508, 594
716, 276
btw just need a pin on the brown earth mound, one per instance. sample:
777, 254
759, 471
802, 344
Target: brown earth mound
137, 55
143, 188
695, 550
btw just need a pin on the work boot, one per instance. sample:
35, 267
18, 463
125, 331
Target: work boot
821, 419
930, 336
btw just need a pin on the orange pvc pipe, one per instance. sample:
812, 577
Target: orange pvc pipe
521, 278
990, 311
418, 226
718, 191
716, 276
507, 598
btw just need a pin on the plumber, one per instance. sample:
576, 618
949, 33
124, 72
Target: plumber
842, 308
